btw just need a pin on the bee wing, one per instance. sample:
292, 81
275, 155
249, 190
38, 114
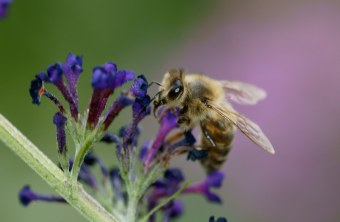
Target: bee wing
243, 93
248, 127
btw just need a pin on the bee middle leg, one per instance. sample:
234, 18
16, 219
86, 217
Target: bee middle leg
184, 122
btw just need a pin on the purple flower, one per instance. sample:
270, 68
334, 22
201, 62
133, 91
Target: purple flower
121, 102
91, 159
59, 120
132, 138
123, 76
103, 76
37, 90
73, 66
143, 150
4, 5
173, 176
164, 188
141, 107
116, 182
173, 210
213, 180
55, 76
168, 185
26, 196
139, 87
220, 219
169, 119
112, 138
55, 73
171, 183
104, 80
168, 122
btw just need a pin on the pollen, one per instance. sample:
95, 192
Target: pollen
41, 91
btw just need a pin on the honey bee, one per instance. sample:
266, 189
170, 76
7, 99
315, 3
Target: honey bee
204, 102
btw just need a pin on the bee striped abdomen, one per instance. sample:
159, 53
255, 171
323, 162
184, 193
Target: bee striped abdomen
217, 138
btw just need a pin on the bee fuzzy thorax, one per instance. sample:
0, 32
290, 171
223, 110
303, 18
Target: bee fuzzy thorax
203, 87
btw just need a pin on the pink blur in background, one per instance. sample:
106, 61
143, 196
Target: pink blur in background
292, 50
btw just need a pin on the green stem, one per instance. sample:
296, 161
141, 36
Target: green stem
132, 208
80, 154
72, 192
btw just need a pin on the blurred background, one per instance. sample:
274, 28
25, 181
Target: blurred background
290, 48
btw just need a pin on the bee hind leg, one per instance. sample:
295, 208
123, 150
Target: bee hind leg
207, 135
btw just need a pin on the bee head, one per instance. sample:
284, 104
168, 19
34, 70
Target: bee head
171, 90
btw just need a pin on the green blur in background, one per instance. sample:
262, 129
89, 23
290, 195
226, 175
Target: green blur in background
137, 35
289, 48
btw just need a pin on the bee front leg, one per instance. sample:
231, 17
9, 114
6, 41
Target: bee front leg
184, 123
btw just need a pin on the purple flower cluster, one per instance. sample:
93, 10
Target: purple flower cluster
71, 69
105, 79
133, 160
164, 188
213, 180
171, 183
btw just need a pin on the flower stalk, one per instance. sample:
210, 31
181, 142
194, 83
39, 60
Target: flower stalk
132, 207
73, 193
81, 151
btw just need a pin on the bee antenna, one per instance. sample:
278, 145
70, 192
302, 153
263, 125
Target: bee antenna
155, 106
154, 82
152, 99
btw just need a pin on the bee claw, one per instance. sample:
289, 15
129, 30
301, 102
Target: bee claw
156, 105
173, 110
161, 115
157, 102
154, 111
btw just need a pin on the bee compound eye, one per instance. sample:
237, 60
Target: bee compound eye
175, 92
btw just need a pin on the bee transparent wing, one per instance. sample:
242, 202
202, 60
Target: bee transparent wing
243, 93
248, 127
